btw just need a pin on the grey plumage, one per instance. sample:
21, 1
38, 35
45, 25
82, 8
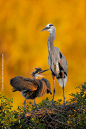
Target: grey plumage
56, 60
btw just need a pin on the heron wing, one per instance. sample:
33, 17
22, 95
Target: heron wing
47, 85
62, 60
20, 83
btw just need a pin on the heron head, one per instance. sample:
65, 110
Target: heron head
49, 27
38, 72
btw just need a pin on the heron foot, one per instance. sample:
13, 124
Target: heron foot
24, 106
35, 104
64, 101
53, 96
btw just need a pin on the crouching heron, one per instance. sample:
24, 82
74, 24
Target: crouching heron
31, 88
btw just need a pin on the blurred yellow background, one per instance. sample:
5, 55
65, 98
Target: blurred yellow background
25, 47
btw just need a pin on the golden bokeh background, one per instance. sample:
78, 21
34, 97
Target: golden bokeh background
24, 47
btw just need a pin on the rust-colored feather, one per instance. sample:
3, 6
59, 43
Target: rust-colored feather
20, 83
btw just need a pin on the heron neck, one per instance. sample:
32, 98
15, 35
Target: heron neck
50, 43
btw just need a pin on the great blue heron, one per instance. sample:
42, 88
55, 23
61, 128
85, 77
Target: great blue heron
57, 62
31, 88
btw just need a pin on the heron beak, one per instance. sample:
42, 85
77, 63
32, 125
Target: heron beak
40, 74
46, 28
43, 71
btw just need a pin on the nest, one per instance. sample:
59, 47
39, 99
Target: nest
52, 117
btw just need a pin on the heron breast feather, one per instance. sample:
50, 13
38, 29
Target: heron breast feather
56, 68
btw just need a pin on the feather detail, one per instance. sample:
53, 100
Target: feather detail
60, 81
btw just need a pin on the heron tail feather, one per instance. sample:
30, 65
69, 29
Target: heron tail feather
60, 81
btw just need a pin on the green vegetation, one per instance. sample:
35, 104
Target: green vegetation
72, 116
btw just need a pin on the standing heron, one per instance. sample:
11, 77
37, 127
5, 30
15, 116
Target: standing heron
57, 62
31, 88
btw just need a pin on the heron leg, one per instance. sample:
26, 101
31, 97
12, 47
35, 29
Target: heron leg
35, 104
63, 89
24, 105
54, 87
